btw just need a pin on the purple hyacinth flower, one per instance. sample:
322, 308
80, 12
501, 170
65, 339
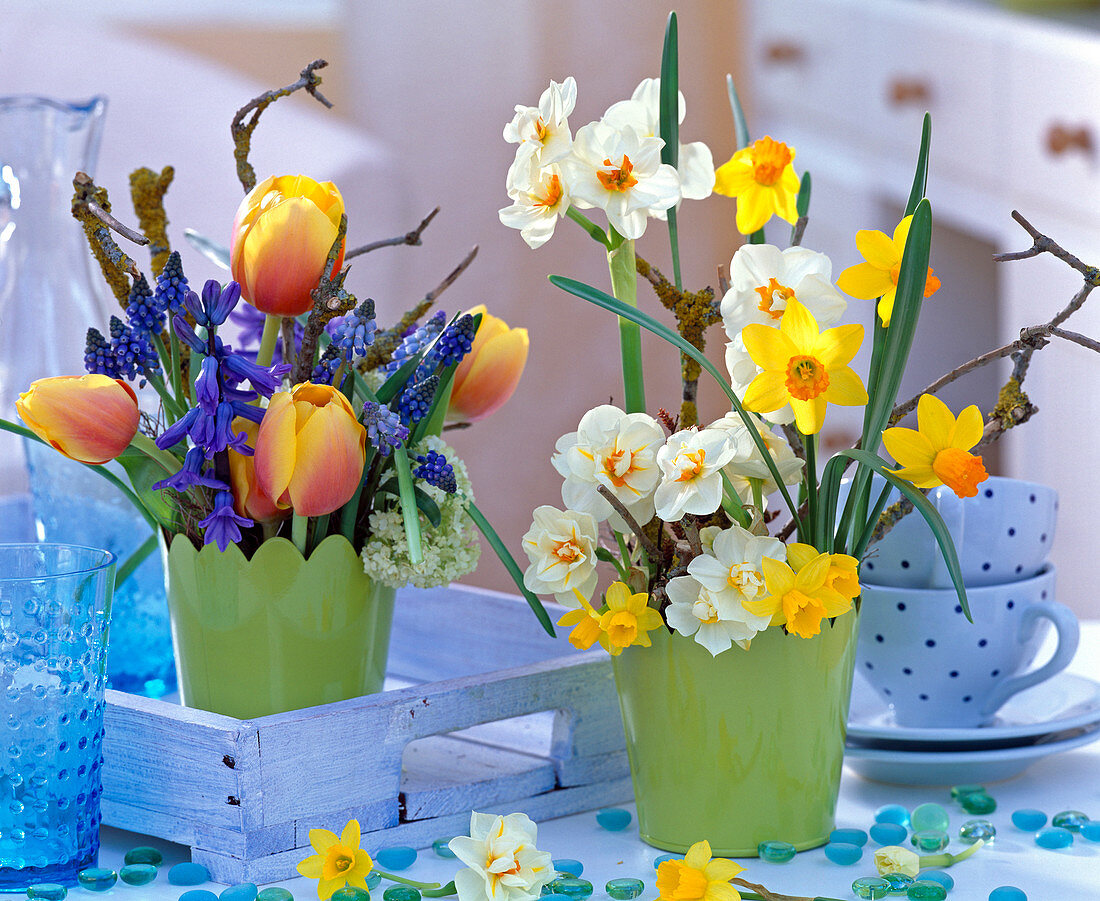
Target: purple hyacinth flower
175, 433
265, 380
196, 307
248, 411
206, 386
219, 302
191, 474
187, 334
223, 526
384, 427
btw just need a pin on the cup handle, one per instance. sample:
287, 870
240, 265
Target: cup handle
1069, 633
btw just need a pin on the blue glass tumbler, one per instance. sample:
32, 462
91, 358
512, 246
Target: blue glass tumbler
55, 607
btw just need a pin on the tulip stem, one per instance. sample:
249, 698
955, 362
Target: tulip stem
624, 286
266, 352
299, 532
420, 885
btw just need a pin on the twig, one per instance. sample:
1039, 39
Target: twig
411, 238
766, 894
632, 523
723, 279
329, 300
1043, 244
86, 187
799, 230
147, 189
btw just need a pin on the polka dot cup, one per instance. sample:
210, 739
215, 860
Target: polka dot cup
935, 669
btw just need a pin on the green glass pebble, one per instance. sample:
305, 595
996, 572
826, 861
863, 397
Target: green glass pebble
350, 893
957, 791
567, 866
570, 886
624, 889
973, 830
198, 894
1091, 831
397, 857
188, 873
978, 803
943, 878
1054, 838
614, 819
373, 880
925, 890
870, 887
1072, 820
401, 893
144, 854
275, 893
1007, 893
138, 873
892, 813
47, 891
929, 817
899, 882
245, 891
776, 852
442, 849
930, 840
97, 879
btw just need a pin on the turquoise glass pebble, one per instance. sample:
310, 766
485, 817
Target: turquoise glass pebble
899, 882
401, 893
568, 866
942, 877
929, 817
843, 853
1054, 837
373, 880
661, 858
957, 791
925, 890
973, 830
776, 852
144, 854
1007, 893
245, 891
1029, 819
198, 894
554, 896
1072, 820
570, 886
870, 887
188, 873
97, 879
849, 836
138, 873
614, 819
1091, 831
888, 833
396, 857
892, 813
978, 803
930, 840
47, 891
350, 893
275, 893
624, 889
441, 846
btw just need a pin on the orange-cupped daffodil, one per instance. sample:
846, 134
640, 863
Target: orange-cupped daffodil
843, 575
803, 366
799, 600
877, 276
585, 622
490, 372
338, 861
90, 418
937, 452
628, 619
698, 877
763, 180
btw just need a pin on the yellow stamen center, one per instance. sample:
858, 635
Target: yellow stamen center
742, 577
769, 159
960, 471
691, 464
618, 466
618, 179
806, 377
567, 552
769, 294
553, 193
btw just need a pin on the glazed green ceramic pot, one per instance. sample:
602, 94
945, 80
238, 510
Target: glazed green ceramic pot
740, 748
277, 632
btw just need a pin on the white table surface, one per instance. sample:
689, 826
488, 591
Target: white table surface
1064, 781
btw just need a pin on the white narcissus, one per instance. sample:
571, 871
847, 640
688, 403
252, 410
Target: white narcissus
502, 862
691, 464
717, 620
751, 465
540, 197
561, 545
734, 564
542, 131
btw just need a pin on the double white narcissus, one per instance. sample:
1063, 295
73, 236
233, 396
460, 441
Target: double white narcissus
561, 545
540, 196
749, 463
542, 131
691, 464
502, 861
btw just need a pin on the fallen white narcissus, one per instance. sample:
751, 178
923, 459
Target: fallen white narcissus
502, 861
561, 545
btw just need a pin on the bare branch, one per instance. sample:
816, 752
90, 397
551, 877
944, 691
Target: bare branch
650, 547
411, 238
1043, 244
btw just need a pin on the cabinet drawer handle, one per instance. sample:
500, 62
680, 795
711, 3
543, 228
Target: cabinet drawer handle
909, 92
784, 52
1063, 138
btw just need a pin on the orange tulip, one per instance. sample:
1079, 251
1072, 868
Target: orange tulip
282, 233
489, 373
310, 450
90, 418
249, 498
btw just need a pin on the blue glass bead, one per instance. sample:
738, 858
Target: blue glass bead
397, 857
973, 830
554, 896
614, 819
188, 873
776, 852
568, 866
570, 886
373, 880
401, 893
888, 833
871, 887
978, 803
661, 858
1007, 893
929, 817
47, 891
892, 813
1054, 837
930, 840
198, 894
843, 853
1091, 831
1029, 819
624, 889
138, 873
899, 882
442, 849
350, 893
246, 891
144, 854
275, 893
849, 836
957, 791
926, 890
1072, 820
97, 879
943, 878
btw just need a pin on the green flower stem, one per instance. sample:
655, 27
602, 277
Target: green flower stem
174, 357
810, 444
448, 889
173, 377
167, 461
596, 233
731, 503
266, 353
947, 859
409, 514
624, 550
299, 531
171, 405
429, 886
624, 286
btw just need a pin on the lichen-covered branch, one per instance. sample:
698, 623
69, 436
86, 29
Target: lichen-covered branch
411, 238
147, 190
329, 300
92, 209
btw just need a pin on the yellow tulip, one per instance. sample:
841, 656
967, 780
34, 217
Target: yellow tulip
310, 450
489, 373
90, 418
282, 233
249, 498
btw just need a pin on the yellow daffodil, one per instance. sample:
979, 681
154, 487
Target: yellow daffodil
803, 366
628, 619
698, 877
799, 600
338, 861
585, 623
878, 275
843, 575
937, 451
764, 182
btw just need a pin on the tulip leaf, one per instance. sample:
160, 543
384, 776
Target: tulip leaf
143, 472
428, 507
218, 254
670, 95
397, 382
920, 178
740, 123
409, 513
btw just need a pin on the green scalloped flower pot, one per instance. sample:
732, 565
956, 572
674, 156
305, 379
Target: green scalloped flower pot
277, 632
740, 748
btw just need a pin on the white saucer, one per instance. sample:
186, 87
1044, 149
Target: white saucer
1063, 702
956, 767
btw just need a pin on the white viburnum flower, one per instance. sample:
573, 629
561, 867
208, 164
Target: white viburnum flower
542, 131
502, 862
539, 198
717, 620
751, 465
734, 563
561, 545
617, 450
620, 171
691, 464
695, 163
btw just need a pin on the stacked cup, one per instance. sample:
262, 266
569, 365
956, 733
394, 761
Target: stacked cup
916, 648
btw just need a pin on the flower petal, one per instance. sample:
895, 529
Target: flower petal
908, 447
766, 393
877, 249
768, 347
968, 428
864, 281
845, 388
935, 419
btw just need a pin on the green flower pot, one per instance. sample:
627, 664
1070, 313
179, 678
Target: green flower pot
740, 748
276, 632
